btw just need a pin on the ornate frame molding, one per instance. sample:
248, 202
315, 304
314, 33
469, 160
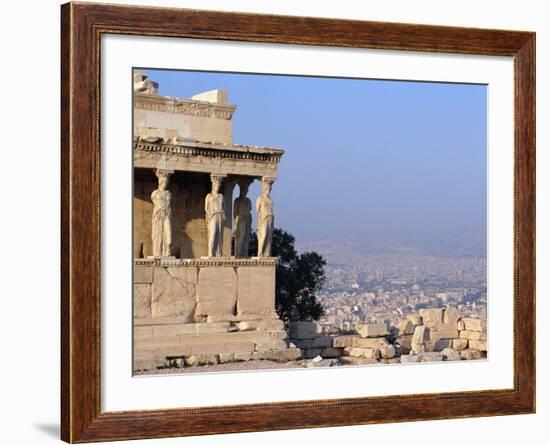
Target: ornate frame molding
82, 25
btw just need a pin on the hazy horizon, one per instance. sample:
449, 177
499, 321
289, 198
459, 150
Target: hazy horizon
372, 159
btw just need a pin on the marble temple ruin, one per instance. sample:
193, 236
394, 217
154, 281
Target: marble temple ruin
197, 298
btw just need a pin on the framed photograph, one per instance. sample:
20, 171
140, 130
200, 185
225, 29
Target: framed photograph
276, 222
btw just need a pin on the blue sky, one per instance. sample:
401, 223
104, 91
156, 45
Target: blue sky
361, 155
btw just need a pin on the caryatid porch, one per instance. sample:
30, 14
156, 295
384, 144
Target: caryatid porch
194, 303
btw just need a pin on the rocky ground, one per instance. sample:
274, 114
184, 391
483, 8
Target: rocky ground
252, 365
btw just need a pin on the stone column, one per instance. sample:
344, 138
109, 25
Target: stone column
228, 187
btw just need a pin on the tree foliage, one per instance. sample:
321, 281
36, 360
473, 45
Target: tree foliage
299, 277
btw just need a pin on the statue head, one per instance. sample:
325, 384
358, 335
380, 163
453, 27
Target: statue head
243, 187
163, 179
266, 186
216, 184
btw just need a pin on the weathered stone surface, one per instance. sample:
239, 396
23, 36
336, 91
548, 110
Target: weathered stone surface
442, 332
409, 358
179, 329
374, 343
478, 345
437, 345
405, 342
280, 356
460, 344
460, 325
419, 337
143, 274
387, 352
405, 327
475, 324
473, 335
450, 354
349, 360
379, 329
302, 329
201, 360
271, 345
431, 357
344, 341
173, 292
226, 358
431, 317
331, 352
311, 353
362, 352
260, 325
216, 291
142, 300
415, 319
256, 290
451, 317
470, 354
242, 356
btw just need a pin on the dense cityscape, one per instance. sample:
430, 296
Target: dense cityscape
363, 286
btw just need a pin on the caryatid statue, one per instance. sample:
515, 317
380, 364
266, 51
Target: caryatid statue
242, 212
266, 219
161, 228
215, 216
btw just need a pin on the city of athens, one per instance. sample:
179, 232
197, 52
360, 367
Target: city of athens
294, 222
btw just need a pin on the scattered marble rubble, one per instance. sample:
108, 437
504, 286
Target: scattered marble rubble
432, 335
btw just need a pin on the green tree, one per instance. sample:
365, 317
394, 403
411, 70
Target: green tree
299, 277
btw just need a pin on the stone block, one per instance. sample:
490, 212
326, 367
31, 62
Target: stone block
331, 352
450, 354
173, 292
387, 352
216, 291
226, 357
271, 345
143, 274
242, 356
256, 290
280, 356
437, 345
405, 327
379, 329
431, 357
460, 344
302, 329
420, 335
260, 325
460, 325
473, 335
409, 358
415, 319
142, 300
405, 342
201, 360
362, 352
451, 317
478, 345
321, 341
311, 353
475, 324
442, 333
349, 360
431, 317
374, 343
344, 341
471, 354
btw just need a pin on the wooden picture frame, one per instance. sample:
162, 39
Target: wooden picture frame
82, 26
